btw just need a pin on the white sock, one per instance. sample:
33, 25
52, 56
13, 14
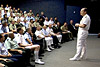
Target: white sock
36, 55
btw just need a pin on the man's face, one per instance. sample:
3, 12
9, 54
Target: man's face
38, 28
12, 36
29, 31
71, 21
37, 15
3, 38
50, 25
21, 31
82, 12
6, 5
44, 27
1, 5
42, 13
5, 24
13, 22
51, 19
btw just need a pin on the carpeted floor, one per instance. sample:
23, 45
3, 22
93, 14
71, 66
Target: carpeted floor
60, 57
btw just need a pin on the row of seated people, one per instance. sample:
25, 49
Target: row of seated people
51, 35
27, 35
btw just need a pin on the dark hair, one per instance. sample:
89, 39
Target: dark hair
19, 29
0, 36
31, 20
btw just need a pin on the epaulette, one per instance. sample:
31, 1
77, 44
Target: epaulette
85, 16
7, 39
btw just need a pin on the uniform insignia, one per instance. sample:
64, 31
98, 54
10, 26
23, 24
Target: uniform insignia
85, 16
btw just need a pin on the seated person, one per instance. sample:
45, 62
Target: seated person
12, 26
4, 28
65, 30
48, 38
51, 21
22, 42
72, 28
46, 22
56, 37
13, 47
36, 23
4, 53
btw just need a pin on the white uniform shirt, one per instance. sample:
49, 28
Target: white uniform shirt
85, 20
27, 36
39, 33
20, 39
51, 22
6, 8
44, 32
22, 18
50, 31
46, 22
16, 18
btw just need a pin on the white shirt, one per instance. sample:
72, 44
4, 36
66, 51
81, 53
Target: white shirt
16, 18
6, 8
25, 24
27, 36
20, 39
50, 31
22, 18
39, 33
46, 22
8, 14
85, 20
44, 32
51, 22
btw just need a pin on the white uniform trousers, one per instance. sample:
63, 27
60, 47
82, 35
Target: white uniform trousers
33, 46
81, 44
59, 37
49, 41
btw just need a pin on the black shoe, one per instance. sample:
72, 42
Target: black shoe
29, 65
72, 38
59, 46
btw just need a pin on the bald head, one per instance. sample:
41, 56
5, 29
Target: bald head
44, 27
50, 25
11, 35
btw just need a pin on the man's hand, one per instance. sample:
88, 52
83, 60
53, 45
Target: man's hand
20, 51
6, 60
9, 55
77, 24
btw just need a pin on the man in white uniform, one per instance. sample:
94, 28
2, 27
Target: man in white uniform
40, 34
22, 42
82, 35
56, 37
48, 38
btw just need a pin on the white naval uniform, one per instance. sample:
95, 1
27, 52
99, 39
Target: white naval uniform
46, 22
20, 39
49, 40
82, 36
50, 31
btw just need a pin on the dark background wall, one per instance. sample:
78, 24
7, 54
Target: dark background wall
73, 13
63, 9
51, 8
